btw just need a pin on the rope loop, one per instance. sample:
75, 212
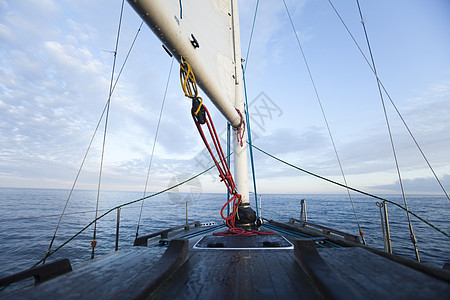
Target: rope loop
187, 79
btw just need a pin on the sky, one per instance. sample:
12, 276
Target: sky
56, 60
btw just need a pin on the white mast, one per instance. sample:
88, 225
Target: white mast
240, 152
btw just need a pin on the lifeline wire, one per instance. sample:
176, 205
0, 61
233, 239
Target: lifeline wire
120, 206
351, 188
392, 101
154, 144
361, 233
413, 238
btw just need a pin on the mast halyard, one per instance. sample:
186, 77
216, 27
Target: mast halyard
206, 35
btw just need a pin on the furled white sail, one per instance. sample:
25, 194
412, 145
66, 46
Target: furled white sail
200, 31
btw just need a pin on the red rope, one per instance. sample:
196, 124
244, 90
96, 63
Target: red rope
225, 173
220, 162
241, 129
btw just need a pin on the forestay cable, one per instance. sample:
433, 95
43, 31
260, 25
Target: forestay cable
411, 231
361, 233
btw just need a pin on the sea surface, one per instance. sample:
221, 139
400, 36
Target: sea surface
28, 219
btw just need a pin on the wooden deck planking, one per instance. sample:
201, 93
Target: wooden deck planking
238, 274
306, 273
100, 279
376, 277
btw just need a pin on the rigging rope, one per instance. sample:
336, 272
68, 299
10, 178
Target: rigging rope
412, 236
201, 116
361, 233
154, 145
392, 101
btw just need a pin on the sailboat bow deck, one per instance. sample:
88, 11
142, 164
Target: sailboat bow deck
195, 264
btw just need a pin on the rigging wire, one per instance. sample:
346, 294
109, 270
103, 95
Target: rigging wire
154, 144
361, 233
128, 55
412, 236
392, 101
108, 103
247, 110
90, 144
73, 186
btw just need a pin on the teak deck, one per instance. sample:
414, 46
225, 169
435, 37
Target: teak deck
182, 271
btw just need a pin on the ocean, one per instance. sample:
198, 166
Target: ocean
28, 218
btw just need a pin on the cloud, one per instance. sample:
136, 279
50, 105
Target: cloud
54, 81
5, 33
427, 185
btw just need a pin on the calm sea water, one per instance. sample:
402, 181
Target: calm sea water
28, 218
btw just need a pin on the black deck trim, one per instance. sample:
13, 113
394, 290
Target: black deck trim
328, 282
441, 274
164, 234
327, 231
175, 256
41, 273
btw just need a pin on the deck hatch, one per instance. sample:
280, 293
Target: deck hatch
258, 242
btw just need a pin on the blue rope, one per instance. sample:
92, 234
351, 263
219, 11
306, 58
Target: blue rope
247, 118
247, 112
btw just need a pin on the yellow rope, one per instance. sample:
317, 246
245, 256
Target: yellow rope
188, 83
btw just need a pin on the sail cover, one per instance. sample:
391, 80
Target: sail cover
200, 31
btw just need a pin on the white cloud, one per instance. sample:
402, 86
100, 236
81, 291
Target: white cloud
3, 4
54, 81
5, 33
70, 59
427, 185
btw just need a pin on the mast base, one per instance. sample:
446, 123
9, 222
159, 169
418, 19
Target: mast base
245, 218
